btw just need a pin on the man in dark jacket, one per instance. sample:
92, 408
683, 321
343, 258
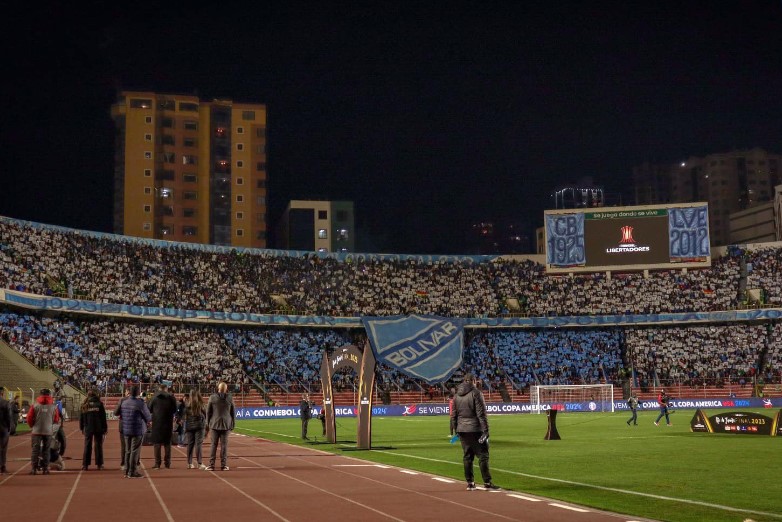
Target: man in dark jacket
14, 414
305, 412
92, 423
135, 419
163, 409
220, 415
470, 422
5, 429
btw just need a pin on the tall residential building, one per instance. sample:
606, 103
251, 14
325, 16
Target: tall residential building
317, 226
729, 182
190, 170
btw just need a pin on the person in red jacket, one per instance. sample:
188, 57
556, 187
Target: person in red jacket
42, 418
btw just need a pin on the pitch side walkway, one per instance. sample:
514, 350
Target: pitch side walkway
267, 481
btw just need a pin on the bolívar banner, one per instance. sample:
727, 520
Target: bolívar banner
423, 347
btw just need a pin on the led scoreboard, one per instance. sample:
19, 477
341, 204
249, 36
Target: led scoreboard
628, 238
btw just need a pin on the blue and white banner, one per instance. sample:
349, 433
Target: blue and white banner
421, 346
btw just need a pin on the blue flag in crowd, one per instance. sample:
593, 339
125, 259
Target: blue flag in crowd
421, 346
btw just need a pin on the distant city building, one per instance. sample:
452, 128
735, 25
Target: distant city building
318, 226
489, 238
190, 170
730, 182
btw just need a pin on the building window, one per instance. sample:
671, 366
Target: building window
188, 107
190, 195
148, 119
147, 190
189, 142
189, 159
147, 209
260, 132
324, 250
342, 215
239, 198
168, 210
261, 234
260, 166
147, 137
239, 232
189, 231
323, 234
166, 105
168, 123
239, 130
188, 212
240, 164
240, 215
240, 146
240, 181
167, 139
260, 218
165, 175
190, 125
140, 103
342, 234
166, 193
147, 226
260, 201
323, 214
147, 154
147, 173
165, 230
167, 157
189, 178
248, 115
261, 183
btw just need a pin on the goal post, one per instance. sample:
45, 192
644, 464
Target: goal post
594, 397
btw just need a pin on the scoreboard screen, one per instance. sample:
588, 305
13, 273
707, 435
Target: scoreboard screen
627, 238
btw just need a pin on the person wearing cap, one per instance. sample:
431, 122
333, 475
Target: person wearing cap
5, 429
42, 418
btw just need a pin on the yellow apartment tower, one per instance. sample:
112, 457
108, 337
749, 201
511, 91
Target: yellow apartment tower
190, 170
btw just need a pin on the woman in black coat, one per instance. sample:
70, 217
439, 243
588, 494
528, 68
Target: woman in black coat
92, 423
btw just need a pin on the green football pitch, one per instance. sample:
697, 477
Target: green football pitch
663, 473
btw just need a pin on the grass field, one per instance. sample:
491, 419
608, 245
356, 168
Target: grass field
664, 473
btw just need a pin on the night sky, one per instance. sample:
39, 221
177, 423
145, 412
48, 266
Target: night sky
428, 117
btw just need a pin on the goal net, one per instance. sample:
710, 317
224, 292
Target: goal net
584, 397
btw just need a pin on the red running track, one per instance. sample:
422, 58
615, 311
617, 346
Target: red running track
267, 481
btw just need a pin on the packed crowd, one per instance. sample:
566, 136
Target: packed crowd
44, 260
102, 353
526, 358
697, 354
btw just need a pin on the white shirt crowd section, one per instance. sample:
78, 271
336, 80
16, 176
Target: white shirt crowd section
115, 270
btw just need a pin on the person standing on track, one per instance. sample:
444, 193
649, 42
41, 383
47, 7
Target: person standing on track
118, 414
220, 415
163, 409
92, 423
135, 418
42, 418
469, 419
305, 412
194, 422
5, 429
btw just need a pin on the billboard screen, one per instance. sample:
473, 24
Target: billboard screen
633, 238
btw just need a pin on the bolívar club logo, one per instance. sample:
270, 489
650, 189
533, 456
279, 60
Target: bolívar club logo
410, 410
627, 243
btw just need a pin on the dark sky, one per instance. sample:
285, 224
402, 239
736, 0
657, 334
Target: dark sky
429, 117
